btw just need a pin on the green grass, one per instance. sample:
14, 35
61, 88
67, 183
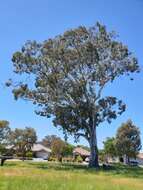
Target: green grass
52, 176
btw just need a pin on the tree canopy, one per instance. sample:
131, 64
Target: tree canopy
68, 75
59, 147
4, 132
22, 140
48, 140
110, 147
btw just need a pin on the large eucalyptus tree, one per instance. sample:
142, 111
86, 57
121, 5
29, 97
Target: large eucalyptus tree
69, 73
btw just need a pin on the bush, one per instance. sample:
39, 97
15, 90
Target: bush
29, 155
19, 154
79, 159
2, 149
67, 159
52, 159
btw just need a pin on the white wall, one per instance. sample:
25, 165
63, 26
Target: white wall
42, 154
140, 161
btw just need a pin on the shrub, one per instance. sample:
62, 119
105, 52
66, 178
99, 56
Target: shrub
67, 159
52, 159
19, 154
29, 155
2, 149
79, 159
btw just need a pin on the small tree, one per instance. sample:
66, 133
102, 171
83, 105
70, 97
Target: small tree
48, 140
57, 145
69, 73
102, 156
79, 159
23, 140
110, 147
4, 141
68, 150
128, 140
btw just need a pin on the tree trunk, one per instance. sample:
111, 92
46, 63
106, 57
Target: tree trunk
60, 158
126, 160
23, 157
93, 150
2, 161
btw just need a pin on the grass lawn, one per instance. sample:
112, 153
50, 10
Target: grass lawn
50, 176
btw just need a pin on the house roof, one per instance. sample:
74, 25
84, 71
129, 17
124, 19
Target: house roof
36, 148
8, 147
40, 147
81, 151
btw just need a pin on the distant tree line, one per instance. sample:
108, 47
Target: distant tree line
19, 142
16, 142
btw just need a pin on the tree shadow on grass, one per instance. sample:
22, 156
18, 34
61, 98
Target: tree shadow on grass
126, 171
121, 170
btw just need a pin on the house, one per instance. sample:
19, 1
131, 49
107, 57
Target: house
41, 151
114, 159
138, 159
78, 151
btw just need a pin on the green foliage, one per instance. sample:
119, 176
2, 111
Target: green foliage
22, 140
2, 149
102, 156
70, 72
79, 159
68, 150
29, 155
49, 139
19, 154
67, 159
59, 147
4, 137
52, 159
4, 132
110, 147
128, 141
55, 176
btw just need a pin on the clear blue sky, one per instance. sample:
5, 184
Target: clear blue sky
40, 19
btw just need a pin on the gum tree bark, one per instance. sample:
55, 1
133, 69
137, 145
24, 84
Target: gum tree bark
93, 149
